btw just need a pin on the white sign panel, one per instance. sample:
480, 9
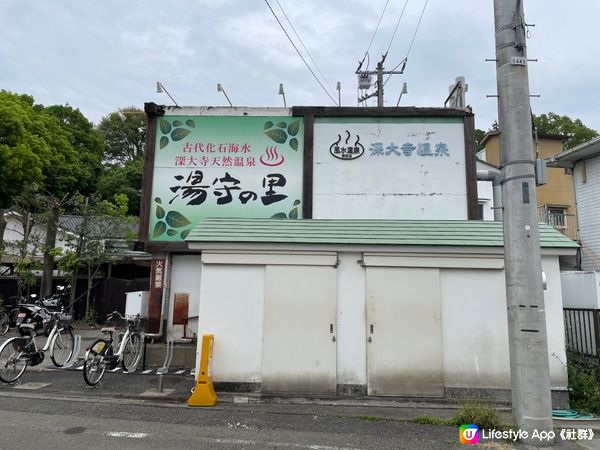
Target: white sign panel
389, 168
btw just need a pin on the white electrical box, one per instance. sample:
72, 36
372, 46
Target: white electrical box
136, 303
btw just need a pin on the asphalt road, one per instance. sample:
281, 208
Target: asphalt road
94, 424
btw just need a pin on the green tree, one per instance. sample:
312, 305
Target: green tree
21, 150
124, 134
87, 252
86, 142
123, 179
575, 130
55, 147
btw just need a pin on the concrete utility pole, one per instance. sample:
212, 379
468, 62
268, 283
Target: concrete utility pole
380, 73
529, 366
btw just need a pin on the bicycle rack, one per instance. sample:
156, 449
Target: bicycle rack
165, 368
75, 355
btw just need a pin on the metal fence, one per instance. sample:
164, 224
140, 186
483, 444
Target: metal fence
582, 331
559, 220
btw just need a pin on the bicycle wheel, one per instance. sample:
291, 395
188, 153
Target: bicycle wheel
4, 323
94, 364
62, 347
12, 361
132, 353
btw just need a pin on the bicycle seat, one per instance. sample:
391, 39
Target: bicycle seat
31, 326
108, 330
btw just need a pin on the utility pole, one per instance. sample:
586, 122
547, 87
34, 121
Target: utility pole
528, 344
365, 75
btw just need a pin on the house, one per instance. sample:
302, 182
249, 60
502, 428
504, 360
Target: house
332, 250
119, 263
555, 199
583, 162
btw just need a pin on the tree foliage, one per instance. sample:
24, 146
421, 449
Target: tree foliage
576, 132
124, 134
55, 147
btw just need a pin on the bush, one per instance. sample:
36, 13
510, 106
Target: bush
91, 317
480, 415
584, 387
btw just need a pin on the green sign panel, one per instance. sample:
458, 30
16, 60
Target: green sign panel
224, 166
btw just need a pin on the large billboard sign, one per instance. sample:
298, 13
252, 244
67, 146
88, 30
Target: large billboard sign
389, 168
224, 166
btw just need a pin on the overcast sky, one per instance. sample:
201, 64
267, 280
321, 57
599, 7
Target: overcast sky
100, 56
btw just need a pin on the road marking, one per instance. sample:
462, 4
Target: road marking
126, 434
32, 386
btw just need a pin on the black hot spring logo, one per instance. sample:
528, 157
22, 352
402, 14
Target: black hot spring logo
347, 150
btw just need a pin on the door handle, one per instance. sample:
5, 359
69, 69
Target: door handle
331, 332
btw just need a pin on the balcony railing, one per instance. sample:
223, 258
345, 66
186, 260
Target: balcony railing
565, 223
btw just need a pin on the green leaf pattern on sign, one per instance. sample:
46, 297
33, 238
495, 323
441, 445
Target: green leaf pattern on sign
277, 135
159, 229
172, 220
293, 128
293, 214
294, 144
177, 220
164, 141
165, 126
176, 130
280, 135
179, 133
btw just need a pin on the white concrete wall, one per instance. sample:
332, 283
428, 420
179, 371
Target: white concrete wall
475, 327
389, 186
351, 321
232, 309
473, 312
186, 271
587, 196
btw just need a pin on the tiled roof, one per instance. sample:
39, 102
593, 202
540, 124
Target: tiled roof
365, 232
100, 227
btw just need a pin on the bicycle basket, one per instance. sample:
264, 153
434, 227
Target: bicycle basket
21, 345
65, 319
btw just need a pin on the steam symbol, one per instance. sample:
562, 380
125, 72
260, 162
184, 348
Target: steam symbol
273, 158
349, 151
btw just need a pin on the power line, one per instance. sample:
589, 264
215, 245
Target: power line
404, 61
300, 54
373, 37
396, 29
417, 29
304, 46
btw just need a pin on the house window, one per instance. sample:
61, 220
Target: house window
479, 215
556, 217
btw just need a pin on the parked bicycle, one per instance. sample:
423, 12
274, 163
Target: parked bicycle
100, 356
17, 353
4, 322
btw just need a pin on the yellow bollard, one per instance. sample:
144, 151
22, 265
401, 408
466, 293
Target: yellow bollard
204, 393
